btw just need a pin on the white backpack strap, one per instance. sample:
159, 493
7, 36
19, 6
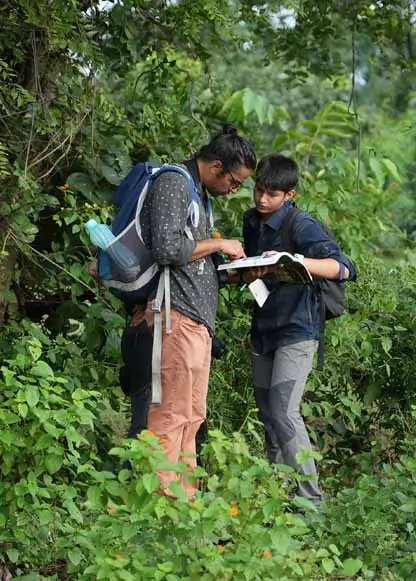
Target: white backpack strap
157, 343
210, 214
137, 284
166, 278
193, 213
163, 292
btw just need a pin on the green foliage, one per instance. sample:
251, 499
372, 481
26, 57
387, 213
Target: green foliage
4, 170
376, 519
58, 498
47, 428
86, 91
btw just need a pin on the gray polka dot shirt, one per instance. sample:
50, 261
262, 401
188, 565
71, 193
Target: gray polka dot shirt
194, 285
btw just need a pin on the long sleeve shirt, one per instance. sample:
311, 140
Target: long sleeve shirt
164, 221
291, 313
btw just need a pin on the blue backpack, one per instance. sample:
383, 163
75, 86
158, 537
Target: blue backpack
130, 195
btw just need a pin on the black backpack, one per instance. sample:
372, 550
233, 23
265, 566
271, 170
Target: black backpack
331, 293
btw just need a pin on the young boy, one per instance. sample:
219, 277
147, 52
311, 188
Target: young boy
285, 331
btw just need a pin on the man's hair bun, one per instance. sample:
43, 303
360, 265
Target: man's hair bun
229, 129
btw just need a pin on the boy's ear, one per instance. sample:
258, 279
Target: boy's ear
289, 195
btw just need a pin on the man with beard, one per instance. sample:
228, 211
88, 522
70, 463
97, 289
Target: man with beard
218, 169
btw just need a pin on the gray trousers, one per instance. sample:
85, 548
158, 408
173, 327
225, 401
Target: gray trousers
279, 383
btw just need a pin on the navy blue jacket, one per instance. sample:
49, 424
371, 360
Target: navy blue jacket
290, 314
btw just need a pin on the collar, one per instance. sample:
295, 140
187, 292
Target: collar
275, 220
192, 166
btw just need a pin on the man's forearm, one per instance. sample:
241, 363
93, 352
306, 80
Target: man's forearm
204, 248
325, 268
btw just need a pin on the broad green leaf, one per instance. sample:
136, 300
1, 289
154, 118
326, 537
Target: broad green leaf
13, 554
26, 229
233, 107
408, 507
284, 468
279, 142
82, 182
178, 491
109, 173
74, 511
44, 516
35, 348
386, 343
94, 495
328, 565
42, 369
262, 109
114, 488
351, 567
53, 463
366, 347
32, 395
250, 100
166, 567
377, 170
270, 506
75, 556
280, 113
150, 482
8, 417
127, 576
391, 169
7, 437
332, 132
302, 502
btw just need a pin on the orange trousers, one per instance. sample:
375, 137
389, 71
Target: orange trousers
186, 360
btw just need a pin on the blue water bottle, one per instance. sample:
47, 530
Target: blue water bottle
102, 237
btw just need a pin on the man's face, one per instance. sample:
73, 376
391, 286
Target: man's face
269, 201
221, 183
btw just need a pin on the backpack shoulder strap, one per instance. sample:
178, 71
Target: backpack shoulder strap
286, 229
193, 194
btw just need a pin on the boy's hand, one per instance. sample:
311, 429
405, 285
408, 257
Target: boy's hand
269, 253
247, 275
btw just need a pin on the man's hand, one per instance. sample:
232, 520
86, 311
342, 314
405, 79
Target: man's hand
233, 249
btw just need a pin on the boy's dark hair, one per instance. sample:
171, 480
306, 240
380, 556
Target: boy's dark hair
277, 172
230, 148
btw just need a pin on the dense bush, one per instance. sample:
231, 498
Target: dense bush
90, 88
65, 503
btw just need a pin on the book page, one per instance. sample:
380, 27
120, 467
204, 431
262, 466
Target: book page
253, 261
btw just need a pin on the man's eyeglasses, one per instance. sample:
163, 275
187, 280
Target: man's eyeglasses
235, 184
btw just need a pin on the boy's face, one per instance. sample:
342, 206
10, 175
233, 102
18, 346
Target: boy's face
269, 201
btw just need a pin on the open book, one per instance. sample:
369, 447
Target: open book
292, 268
